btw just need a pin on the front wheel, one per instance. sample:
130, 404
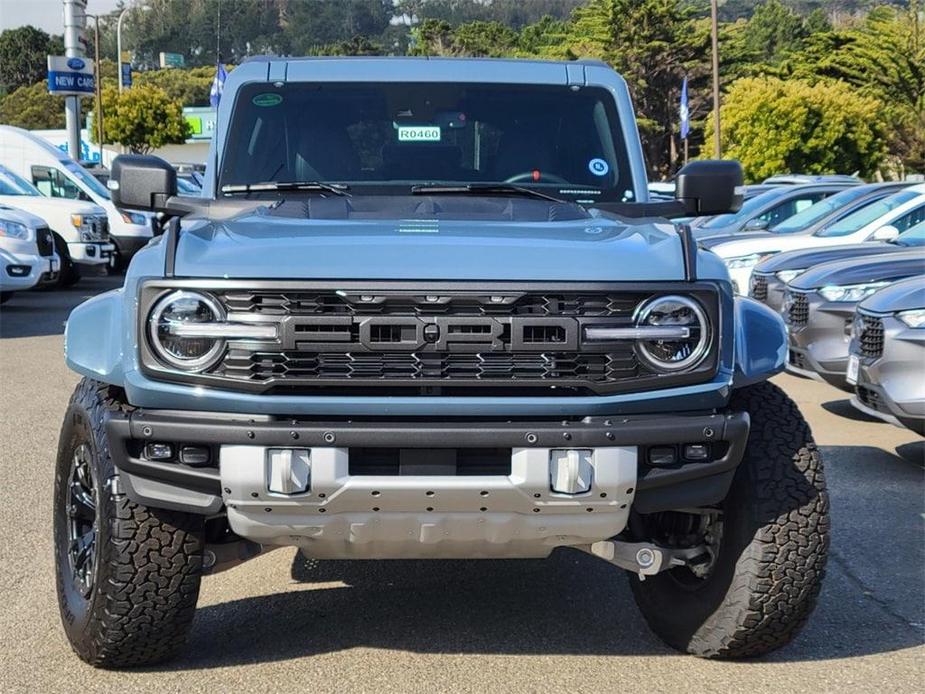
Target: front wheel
127, 576
70, 273
767, 542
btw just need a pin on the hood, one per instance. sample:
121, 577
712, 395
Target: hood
902, 296
716, 239
877, 268
12, 214
595, 249
810, 257
36, 204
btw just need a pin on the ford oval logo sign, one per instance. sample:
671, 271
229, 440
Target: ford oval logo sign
76, 64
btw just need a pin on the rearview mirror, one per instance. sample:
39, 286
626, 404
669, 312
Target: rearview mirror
141, 182
886, 233
756, 225
710, 187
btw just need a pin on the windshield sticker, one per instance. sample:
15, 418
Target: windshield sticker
267, 99
598, 167
419, 133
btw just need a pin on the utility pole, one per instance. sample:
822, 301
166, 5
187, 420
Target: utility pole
98, 83
74, 47
717, 152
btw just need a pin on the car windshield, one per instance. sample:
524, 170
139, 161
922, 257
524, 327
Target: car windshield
860, 219
87, 179
11, 184
386, 138
748, 210
820, 210
913, 236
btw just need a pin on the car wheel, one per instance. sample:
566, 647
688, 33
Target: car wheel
70, 273
767, 544
127, 576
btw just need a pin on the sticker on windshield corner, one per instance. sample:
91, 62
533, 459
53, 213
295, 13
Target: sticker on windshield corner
267, 99
419, 133
598, 167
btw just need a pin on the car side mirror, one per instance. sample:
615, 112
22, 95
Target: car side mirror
710, 187
756, 225
886, 233
141, 182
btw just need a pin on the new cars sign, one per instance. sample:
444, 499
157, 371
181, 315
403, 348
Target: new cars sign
70, 76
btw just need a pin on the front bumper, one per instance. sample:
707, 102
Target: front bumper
820, 346
512, 514
90, 253
29, 270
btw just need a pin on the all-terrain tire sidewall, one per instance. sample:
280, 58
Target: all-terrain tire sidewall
772, 557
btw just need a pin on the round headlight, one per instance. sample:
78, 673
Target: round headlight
674, 354
166, 324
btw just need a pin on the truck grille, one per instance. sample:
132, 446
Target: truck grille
870, 339
799, 309
759, 287
45, 241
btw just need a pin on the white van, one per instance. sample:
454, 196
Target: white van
27, 252
80, 229
56, 175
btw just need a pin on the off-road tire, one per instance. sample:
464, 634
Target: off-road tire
147, 564
775, 538
69, 274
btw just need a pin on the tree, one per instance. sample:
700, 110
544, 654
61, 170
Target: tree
142, 118
773, 31
774, 126
189, 87
32, 108
23, 54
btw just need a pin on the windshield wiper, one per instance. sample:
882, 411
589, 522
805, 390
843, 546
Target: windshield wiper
271, 186
483, 189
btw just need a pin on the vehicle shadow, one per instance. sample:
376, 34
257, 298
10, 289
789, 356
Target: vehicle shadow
844, 408
45, 311
575, 604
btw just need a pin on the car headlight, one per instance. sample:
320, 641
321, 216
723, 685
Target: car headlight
746, 261
674, 354
786, 275
14, 230
850, 293
133, 218
914, 318
172, 330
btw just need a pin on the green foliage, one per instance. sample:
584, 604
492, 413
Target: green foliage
189, 87
481, 39
32, 108
142, 118
775, 126
773, 31
23, 54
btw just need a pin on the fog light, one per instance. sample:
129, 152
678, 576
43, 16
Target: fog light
696, 451
288, 470
91, 251
663, 455
570, 471
17, 270
194, 455
158, 451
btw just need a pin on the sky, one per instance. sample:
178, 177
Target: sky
44, 14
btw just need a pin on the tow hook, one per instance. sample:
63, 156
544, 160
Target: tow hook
644, 558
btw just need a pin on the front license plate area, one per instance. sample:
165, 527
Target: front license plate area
854, 366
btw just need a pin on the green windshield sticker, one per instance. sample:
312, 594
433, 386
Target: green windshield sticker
267, 99
419, 133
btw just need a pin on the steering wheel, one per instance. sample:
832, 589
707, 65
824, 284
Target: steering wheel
527, 177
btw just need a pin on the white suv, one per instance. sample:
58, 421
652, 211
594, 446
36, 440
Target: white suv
27, 252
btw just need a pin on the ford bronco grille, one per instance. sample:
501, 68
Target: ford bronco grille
447, 338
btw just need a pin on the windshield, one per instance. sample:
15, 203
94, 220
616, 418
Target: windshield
860, 219
11, 184
748, 210
385, 138
88, 180
820, 210
913, 236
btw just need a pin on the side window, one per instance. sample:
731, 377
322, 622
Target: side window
54, 184
910, 219
790, 207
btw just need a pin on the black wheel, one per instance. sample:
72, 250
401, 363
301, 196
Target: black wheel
5, 296
70, 273
766, 543
127, 576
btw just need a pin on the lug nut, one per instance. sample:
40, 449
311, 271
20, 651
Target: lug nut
645, 558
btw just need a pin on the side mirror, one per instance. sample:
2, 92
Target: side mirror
141, 182
710, 187
886, 233
756, 225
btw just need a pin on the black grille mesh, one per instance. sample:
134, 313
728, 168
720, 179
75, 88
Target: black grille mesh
45, 241
799, 309
759, 287
871, 337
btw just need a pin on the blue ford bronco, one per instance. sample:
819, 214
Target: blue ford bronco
425, 309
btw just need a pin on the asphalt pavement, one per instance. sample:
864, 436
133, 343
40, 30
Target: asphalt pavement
565, 624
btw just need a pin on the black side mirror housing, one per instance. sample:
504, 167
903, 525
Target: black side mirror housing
711, 186
142, 182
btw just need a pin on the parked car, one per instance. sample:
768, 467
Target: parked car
748, 192
887, 354
436, 345
770, 277
880, 221
799, 179
80, 229
768, 208
56, 175
819, 308
27, 252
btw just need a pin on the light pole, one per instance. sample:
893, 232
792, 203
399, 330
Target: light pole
717, 152
98, 117
143, 8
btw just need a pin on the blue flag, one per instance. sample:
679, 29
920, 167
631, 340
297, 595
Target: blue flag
685, 112
218, 84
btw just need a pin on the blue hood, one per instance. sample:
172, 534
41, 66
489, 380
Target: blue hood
596, 249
